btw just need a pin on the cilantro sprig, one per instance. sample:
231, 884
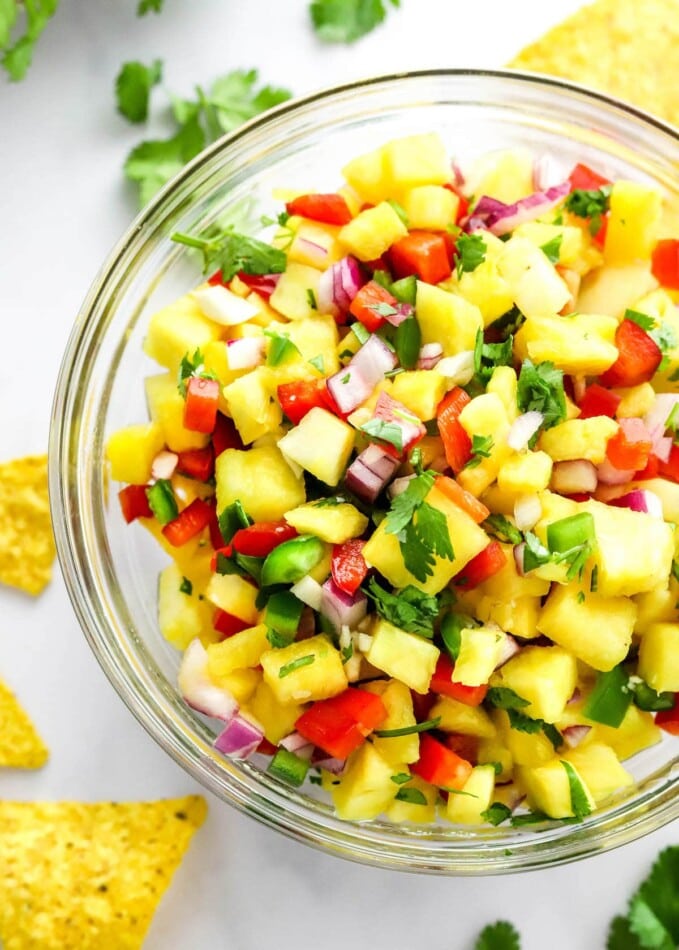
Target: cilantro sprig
498, 936
471, 252
487, 356
590, 203
133, 88
21, 25
191, 366
344, 21
232, 253
421, 529
540, 388
409, 609
482, 446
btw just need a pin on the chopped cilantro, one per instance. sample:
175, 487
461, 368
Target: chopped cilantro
18, 50
540, 388
383, 309
580, 805
496, 814
552, 249
344, 21
409, 609
523, 723
653, 916
311, 298
422, 539
487, 356
641, 319
413, 796
133, 88
281, 348
592, 204
401, 778
482, 446
318, 363
186, 587
149, 6
384, 431
471, 251
408, 730
581, 597
498, 936
191, 366
347, 652
504, 698
296, 665
535, 554
503, 529
233, 253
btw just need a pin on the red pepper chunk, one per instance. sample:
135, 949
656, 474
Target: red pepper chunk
226, 624
665, 263
200, 409
329, 209
370, 296
638, 357
456, 443
134, 503
486, 563
651, 470
670, 468
340, 724
189, 522
668, 719
598, 401
467, 747
299, 397
349, 569
225, 435
439, 765
464, 499
423, 254
441, 683
197, 463
584, 178
630, 448
260, 539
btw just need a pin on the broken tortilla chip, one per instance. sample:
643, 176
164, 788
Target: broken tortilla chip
88, 876
628, 48
26, 542
20, 745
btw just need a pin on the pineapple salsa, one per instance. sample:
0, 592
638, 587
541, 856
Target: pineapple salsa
415, 463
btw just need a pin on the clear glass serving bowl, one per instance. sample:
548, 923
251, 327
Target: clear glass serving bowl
111, 569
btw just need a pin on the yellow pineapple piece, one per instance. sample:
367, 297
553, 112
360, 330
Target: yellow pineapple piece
316, 336
166, 407
430, 207
276, 718
181, 617
580, 344
525, 748
572, 239
615, 288
421, 391
518, 617
505, 174
416, 160
544, 676
321, 443
399, 705
659, 657
366, 175
487, 290
131, 451
400, 811
658, 605
636, 732
494, 750
504, 383
635, 400
537, 289
579, 439
447, 319
485, 417
241, 651
526, 473
549, 790
261, 480
334, 524
477, 795
600, 769
365, 789
405, 656
372, 232
319, 678
314, 244
632, 223
252, 404
462, 718
291, 296
178, 329
240, 683
232, 593
480, 650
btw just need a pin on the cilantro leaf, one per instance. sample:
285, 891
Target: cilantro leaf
19, 54
645, 925
281, 348
498, 936
154, 162
620, 937
384, 431
580, 803
471, 251
535, 554
413, 796
404, 506
410, 608
482, 446
234, 98
540, 388
233, 253
192, 366
344, 21
503, 529
660, 891
502, 697
489, 355
133, 88
523, 723
496, 814
592, 204
641, 319
148, 6
425, 537
552, 249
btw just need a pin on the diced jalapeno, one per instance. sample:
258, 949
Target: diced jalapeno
292, 560
162, 502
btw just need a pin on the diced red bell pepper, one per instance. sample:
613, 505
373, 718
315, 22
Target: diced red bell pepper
349, 569
638, 357
134, 503
423, 254
370, 296
216, 538
464, 499
598, 401
226, 624
584, 178
665, 263
422, 703
340, 724
486, 563
197, 463
440, 765
578, 496
299, 397
668, 719
330, 209
652, 469
670, 468
630, 448
216, 279
456, 443
189, 522
467, 747
267, 748
600, 237
262, 284
442, 684
261, 538
225, 435
200, 408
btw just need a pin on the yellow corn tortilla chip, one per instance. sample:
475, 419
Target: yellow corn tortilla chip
26, 542
20, 745
629, 48
79, 876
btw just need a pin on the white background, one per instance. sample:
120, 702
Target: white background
63, 203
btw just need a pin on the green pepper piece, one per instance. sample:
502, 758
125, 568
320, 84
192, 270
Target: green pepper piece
289, 767
405, 290
569, 533
407, 342
610, 699
646, 698
162, 502
292, 560
383, 278
451, 627
232, 519
283, 613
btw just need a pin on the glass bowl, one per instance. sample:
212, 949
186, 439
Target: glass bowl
111, 568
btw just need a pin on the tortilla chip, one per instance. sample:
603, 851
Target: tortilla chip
88, 876
26, 542
20, 745
628, 48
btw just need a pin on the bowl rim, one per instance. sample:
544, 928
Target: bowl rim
352, 840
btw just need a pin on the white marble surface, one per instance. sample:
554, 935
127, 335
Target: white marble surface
63, 203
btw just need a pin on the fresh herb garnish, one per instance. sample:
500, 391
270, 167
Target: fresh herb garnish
413, 796
318, 363
407, 341
281, 348
384, 431
149, 6
496, 814
487, 356
592, 204
233, 253
552, 248
297, 664
409, 609
482, 446
347, 652
498, 936
191, 366
311, 298
401, 778
653, 915
540, 388
503, 529
535, 554
18, 49
408, 730
502, 697
133, 88
580, 804
471, 251
421, 529
186, 587
344, 21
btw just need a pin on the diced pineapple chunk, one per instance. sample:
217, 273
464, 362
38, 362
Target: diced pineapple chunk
430, 207
365, 789
493, 751
600, 769
505, 174
365, 174
659, 657
372, 232
334, 524
241, 651
612, 289
526, 473
383, 550
476, 797
635, 400
252, 405
571, 243
321, 444
463, 719
314, 337
479, 654
291, 296
504, 383
240, 683
518, 616
405, 656
579, 439
487, 290
537, 289
415, 811
166, 407
485, 416
447, 319
232, 593
580, 344
549, 790
320, 678
216, 361
131, 452
421, 391
525, 748
261, 480
181, 617
596, 629
544, 676
636, 732
314, 244
416, 160
399, 705
632, 223
276, 718
178, 329
656, 606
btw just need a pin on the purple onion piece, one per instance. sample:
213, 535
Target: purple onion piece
342, 609
198, 691
239, 739
349, 388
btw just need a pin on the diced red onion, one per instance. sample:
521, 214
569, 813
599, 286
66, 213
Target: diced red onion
164, 464
657, 416
398, 486
635, 430
403, 311
430, 355
198, 691
573, 477
349, 388
509, 649
369, 472
500, 218
316, 252
458, 369
246, 352
308, 591
393, 411
519, 550
527, 511
610, 475
640, 499
458, 174
523, 429
298, 744
343, 609
379, 461
223, 306
328, 762
338, 285
573, 735
262, 284
240, 738
374, 359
